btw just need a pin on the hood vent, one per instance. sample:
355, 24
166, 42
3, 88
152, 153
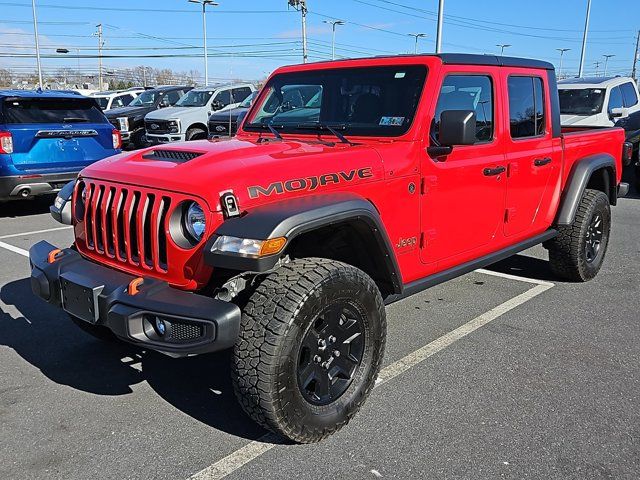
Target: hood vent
175, 156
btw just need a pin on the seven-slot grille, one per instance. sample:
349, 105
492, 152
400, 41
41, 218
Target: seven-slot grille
126, 224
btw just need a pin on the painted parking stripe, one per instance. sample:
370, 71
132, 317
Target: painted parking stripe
514, 277
253, 450
11, 248
35, 232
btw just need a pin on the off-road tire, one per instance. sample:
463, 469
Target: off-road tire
277, 317
567, 252
195, 134
97, 331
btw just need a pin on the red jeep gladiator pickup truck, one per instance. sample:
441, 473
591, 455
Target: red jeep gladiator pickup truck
351, 184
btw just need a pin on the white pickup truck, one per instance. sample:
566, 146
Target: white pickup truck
188, 119
597, 101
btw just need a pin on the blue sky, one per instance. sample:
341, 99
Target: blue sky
249, 39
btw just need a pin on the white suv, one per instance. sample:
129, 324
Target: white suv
597, 101
116, 99
188, 119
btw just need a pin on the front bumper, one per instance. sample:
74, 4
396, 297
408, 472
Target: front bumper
25, 186
192, 323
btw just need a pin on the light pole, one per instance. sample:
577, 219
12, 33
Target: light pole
417, 36
606, 60
35, 33
204, 4
584, 39
333, 24
502, 47
561, 50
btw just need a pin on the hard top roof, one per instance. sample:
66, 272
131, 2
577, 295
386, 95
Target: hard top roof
40, 94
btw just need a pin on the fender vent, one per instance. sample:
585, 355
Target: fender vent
176, 156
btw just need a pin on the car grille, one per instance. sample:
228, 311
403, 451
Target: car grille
126, 224
160, 127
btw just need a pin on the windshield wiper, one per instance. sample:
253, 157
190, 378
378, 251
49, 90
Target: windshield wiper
74, 119
324, 126
272, 129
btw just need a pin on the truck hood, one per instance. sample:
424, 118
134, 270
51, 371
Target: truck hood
175, 112
256, 172
128, 112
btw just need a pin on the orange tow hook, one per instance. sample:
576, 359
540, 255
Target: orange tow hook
52, 255
134, 286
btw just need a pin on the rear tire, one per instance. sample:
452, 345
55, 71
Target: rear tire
577, 253
97, 331
195, 134
311, 343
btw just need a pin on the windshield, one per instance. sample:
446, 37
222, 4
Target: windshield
246, 103
52, 110
102, 101
581, 101
195, 98
376, 101
145, 99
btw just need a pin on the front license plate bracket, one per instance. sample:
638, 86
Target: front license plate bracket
79, 298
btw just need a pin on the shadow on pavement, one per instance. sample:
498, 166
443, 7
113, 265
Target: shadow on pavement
46, 338
524, 266
23, 208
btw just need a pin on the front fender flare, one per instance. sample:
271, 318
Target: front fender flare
291, 218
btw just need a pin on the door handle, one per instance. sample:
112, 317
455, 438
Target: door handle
489, 172
540, 162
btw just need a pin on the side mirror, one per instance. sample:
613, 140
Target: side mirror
619, 112
457, 127
216, 105
164, 103
61, 208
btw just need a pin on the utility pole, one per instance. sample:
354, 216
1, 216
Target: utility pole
606, 60
584, 39
502, 47
635, 56
439, 28
100, 45
333, 24
561, 50
301, 6
597, 65
35, 32
417, 36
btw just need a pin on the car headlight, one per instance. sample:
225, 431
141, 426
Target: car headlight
194, 221
174, 126
248, 246
124, 124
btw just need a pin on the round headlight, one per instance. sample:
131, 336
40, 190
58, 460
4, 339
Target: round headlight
195, 221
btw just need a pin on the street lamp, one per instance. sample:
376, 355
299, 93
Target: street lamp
35, 33
561, 50
417, 36
333, 24
204, 4
66, 50
502, 47
606, 60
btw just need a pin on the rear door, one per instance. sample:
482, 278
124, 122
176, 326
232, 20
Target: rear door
463, 201
57, 134
532, 162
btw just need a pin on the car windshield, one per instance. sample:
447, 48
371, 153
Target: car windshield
581, 101
375, 101
145, 99
52, 110
102, 101
195, 98
246, 103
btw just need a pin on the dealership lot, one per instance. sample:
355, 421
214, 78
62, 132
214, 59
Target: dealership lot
539, 379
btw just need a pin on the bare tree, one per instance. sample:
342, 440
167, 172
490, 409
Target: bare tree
6, 78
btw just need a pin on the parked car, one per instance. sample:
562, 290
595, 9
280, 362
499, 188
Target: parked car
189, 118
130, 119
286, 242
116, 99
46, 138
631, 126
225, 123
597, 101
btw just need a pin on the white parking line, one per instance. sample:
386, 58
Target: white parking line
35, 232
19, 251
514, 277
253, 450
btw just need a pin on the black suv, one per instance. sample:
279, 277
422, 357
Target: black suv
225, 123
130, 119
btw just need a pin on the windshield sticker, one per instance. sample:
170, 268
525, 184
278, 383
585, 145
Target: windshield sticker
400, 75
392, 121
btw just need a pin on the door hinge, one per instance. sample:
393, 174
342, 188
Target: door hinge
421, 239
509, 213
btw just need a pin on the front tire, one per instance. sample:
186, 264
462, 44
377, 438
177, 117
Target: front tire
311, 343
577, 253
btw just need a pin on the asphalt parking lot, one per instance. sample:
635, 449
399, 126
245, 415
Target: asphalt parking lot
504, 373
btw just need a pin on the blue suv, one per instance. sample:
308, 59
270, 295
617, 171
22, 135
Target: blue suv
47, 137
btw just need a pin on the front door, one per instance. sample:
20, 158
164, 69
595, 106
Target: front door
531, 160
463, 202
